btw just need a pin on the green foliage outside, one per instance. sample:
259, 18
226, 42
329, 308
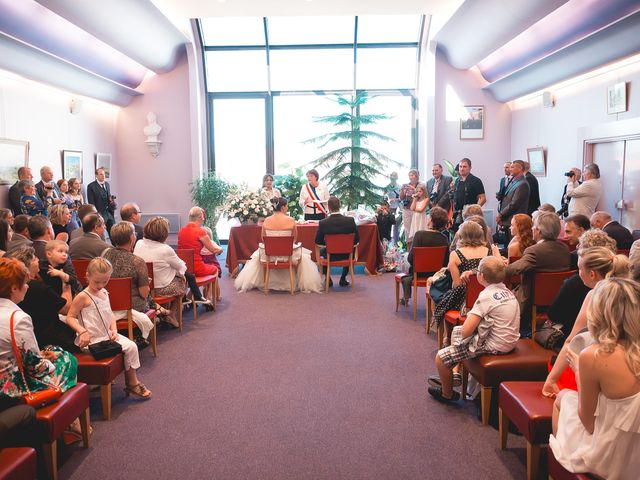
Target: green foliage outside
210, 193
290, 186
351, 164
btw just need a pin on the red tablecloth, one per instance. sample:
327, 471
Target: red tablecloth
244, 239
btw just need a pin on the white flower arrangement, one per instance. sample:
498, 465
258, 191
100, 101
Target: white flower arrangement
247, 206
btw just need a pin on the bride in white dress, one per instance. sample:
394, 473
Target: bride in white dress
307, 277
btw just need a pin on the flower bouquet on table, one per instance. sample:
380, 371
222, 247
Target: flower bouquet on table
247, 206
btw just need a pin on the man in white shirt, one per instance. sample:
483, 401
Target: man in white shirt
585, 197
314, 197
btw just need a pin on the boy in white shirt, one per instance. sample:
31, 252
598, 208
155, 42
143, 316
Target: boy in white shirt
491, 327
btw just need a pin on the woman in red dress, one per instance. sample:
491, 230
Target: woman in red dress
192, 236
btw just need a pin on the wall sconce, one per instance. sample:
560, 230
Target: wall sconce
152, 130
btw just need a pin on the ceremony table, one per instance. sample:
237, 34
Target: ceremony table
244, 239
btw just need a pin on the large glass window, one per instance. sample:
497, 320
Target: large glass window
237, 71
310, 30
391, 68
322, 69
388, 28
233, 31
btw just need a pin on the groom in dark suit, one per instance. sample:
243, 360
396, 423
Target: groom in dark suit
99, 194
336, 223
438, 188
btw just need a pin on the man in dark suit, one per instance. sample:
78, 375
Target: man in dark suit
516, 198
130, 212
548, 255
46, 187
333, 224
604, 222
24, 173
20, 233
534, 189
90, 245
504, 181
99, 194
438, 188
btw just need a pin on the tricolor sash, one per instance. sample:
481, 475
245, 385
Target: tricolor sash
316, 200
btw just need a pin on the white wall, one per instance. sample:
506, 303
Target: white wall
580, 103
455, 88
40, 115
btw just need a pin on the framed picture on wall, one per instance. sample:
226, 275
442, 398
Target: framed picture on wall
472, 122
72, 164
617, 98
103, 160
538, 161
13, 155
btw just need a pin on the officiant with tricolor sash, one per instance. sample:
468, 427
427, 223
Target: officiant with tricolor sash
314, 197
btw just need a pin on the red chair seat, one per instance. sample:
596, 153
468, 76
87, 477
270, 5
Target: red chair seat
18, 463
206, 279
454, 318
528, 361
558, 472
526, 407
99, 372
54, 419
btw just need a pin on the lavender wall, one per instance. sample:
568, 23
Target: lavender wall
159, 185
580, 103
455, 88
40, 115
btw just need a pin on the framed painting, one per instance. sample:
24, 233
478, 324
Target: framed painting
103, 160
13, 155
472, 122
72, 164
537, 161
617, 98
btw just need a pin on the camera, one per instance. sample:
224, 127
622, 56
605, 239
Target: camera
569, 174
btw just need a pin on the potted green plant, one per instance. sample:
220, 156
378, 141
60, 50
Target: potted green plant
290, 186
209, 192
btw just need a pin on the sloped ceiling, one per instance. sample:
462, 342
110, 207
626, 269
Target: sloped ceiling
536, 44
96, 49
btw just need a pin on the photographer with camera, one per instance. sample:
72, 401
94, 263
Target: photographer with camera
46, 188
99, 194
438, 188
574, 174
584, 198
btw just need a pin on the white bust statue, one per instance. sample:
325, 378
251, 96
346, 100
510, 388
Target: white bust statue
153, 129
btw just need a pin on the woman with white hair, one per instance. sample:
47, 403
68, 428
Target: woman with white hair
194, 237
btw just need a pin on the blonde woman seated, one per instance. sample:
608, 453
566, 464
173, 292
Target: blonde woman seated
307, 276
597, 428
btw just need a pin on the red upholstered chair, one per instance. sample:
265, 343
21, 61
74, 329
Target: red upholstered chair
163, 300
80, 267
338, 244
546, 286
210, 282
18, 463
100, 372
558, 472
453, 316
425, 260
54, 419
120, 299
523, 404
278, 247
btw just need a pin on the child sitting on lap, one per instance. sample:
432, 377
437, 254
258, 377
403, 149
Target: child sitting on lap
51, 269
91, 317
491, 327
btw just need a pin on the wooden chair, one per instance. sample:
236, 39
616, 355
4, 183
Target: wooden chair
453, 316
163, 300
210, 282
18, 463
278, 247
120, 299
80, 267
425, 260
54, 419
100, 372
546, 286
338, 244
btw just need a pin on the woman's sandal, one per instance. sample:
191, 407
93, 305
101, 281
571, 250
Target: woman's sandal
138, 390
162, 311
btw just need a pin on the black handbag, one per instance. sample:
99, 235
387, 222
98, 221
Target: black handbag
550, 337
105, 348
440, 287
